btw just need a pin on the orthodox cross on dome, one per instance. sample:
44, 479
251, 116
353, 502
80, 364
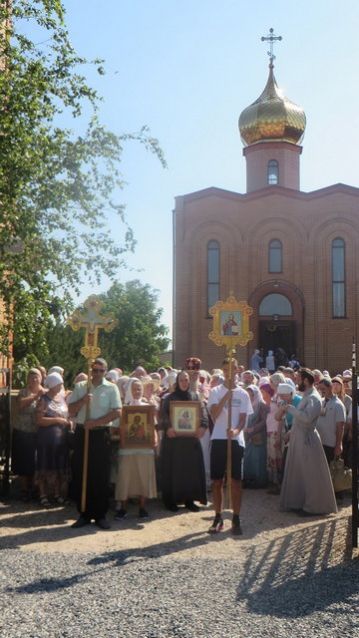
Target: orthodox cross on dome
271, 38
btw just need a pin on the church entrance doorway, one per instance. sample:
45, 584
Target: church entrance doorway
277, 334
278, 318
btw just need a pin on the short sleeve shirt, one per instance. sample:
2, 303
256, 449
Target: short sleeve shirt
105, 397
333, 413
241, 404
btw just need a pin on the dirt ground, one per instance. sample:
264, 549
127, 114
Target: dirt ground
32, 528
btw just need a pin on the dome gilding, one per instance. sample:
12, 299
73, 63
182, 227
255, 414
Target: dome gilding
272, 117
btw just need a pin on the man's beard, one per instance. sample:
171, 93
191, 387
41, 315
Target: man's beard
301, 387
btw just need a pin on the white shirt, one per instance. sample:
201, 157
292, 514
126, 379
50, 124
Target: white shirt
105, 398
333, 412
241, 404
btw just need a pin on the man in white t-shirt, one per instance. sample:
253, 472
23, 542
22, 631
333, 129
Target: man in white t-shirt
217, 405
330, 423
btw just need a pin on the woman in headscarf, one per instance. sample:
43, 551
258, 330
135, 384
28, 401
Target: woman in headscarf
255, 453
122, 386
274, 442
286, 395
23, 451
136, 476
183, 475
52, 418
151, 385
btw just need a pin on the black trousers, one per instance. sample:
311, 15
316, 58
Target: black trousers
98, 473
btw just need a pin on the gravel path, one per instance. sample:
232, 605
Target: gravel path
284, 577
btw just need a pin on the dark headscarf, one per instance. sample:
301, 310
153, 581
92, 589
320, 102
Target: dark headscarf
181, 395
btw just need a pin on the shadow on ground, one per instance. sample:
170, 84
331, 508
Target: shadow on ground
302, 572
118, 559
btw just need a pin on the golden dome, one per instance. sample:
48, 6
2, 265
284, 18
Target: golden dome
272, 117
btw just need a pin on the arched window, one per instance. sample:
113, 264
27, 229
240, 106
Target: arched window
338, 278
212, 272
275, 304
275, 256
272, 172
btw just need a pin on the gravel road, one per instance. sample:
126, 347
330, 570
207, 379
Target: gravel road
284, 577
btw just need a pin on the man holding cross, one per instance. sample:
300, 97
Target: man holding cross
95, 407
229, 405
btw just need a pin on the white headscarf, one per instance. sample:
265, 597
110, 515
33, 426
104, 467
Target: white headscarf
257, 395
129, 400
170, 379
286, 388
112, 375
122, 385
57, 369
53, 380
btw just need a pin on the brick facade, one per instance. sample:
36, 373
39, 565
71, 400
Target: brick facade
244, 224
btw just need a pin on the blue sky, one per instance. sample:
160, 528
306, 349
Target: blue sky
187, 69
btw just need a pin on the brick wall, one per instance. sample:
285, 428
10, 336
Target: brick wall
306, 224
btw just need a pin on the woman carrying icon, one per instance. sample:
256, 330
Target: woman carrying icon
182, 468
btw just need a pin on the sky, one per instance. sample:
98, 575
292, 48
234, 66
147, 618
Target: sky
187, 68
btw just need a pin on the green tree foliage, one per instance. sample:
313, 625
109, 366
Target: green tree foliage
57, 188
139, 337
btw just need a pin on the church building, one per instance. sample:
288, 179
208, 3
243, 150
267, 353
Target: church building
291, 255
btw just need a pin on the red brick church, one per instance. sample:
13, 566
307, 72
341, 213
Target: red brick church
292, 255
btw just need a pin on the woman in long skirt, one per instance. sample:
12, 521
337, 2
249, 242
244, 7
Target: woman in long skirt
136, 475
183, 476
255, 453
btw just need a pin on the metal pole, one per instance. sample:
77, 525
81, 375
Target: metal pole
355, 517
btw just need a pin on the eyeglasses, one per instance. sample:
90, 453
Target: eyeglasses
98, 370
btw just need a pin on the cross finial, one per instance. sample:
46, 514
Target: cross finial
271, 38
91, 319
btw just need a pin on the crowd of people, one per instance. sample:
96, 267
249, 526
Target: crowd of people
282, 429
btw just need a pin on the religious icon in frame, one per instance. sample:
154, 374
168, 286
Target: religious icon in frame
137, 428
185, 417
231, 323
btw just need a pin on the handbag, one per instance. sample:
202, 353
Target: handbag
341, 475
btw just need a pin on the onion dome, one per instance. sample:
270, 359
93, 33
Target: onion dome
272, 117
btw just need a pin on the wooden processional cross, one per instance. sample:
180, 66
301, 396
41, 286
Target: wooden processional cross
230, 328
92, 321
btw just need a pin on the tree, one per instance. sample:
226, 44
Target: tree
139, 337
56, 188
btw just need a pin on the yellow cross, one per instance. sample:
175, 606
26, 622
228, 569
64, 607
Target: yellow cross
92, 321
